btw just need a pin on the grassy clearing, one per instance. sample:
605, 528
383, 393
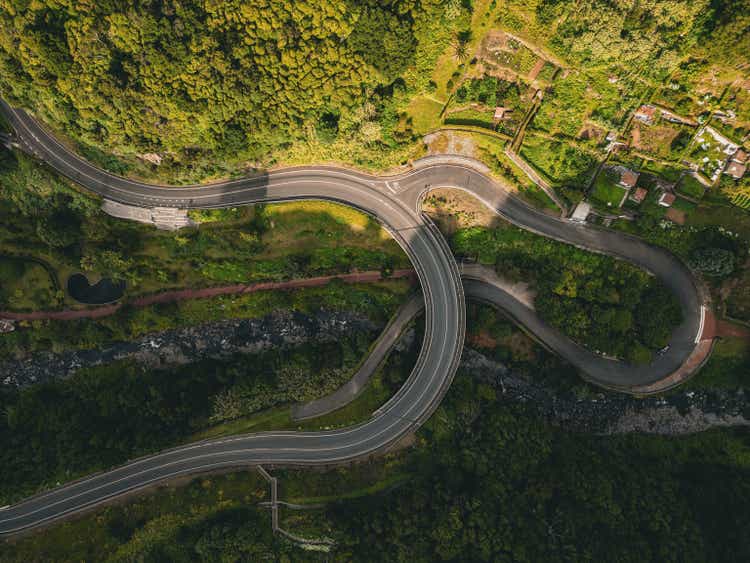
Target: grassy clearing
341, 214
663, 140
728, 367
715, 211
691, 187
472, 117
606, 191
425, 114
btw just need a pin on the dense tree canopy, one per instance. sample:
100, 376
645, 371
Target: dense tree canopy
187, 77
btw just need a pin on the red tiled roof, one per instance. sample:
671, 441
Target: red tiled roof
646, 111
629, 178
736, 170
667, 199
639, 194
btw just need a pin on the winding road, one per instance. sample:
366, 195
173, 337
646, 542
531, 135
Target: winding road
396, 202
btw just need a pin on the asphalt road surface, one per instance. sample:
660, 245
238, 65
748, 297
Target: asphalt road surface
396, 202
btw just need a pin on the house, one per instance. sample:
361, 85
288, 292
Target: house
638, 195
645, 114
667, 199
735, 170
502, 113
7, 325
582, 211
737, 165
628, 178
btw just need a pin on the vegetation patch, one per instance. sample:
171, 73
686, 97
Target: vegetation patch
606, 304
26, 285
378, 301
738, 302
62, 429
663, 140
564, 164
690, 187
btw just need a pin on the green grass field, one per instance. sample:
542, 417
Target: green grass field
691, 187
425, 114
560, 162
606, 191
727, 368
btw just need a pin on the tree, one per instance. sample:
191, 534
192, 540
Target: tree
461, 45
714, 262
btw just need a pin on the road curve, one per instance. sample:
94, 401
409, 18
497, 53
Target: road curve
395, 201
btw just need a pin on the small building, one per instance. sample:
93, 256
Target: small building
611, 136
638, 195
667, 199
7, 325
502, 113
645, 114
735, 170
582, 211
628, 178
740, 156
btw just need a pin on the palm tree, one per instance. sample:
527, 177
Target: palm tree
461, 45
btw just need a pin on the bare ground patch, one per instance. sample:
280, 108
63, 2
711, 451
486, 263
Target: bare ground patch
455, 209
446, 142
675, 215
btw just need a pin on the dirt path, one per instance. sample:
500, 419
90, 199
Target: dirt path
537, 69
726, 328
183, 294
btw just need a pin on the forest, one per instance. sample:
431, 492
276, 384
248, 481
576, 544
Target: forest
103, 416
182, 91
488, 481
205, 81
213, 88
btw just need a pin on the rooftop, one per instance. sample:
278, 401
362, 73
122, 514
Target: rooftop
639, 194
735, 169
666, 199
582, 211
628, 178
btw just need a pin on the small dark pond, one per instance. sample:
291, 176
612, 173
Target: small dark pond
103, 291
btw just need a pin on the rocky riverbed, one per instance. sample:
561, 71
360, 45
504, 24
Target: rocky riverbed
182, 346
679, 412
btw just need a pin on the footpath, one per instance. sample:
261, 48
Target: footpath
184, 294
